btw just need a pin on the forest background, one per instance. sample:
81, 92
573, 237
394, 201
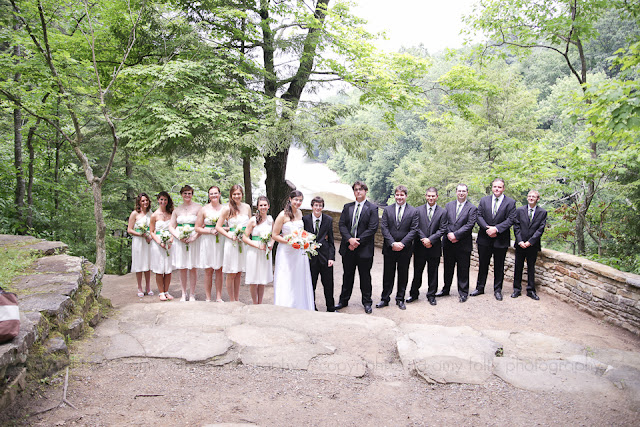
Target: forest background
100, 100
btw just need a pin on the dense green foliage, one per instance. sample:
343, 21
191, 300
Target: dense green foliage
101, 100
507, 109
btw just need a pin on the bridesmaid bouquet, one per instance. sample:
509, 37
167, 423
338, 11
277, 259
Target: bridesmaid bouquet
303, 240
185, 232
142, 228
266, 238
165, 236
214, 220
238, 232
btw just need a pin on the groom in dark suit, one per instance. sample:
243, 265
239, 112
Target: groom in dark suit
399, 227
427, 248
321, 225
458, 243
496, 214
528, 228
358, 225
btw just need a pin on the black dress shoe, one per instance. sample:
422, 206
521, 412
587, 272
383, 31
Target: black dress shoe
412, 299
432, 300
401, 305
463, 298
339, 306
498, 295
533, 295
367, 309
476, 292
515, 294
382, 304
442, 294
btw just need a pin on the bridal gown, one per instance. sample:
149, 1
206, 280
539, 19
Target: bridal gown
292, 277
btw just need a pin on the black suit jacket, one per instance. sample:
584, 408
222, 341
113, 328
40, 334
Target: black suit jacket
432, 229
529, 231
503, 221
327, 250
404, 232
461, 227
367, 227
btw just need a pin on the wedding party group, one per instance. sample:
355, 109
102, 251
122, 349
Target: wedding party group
224, 238
230, 239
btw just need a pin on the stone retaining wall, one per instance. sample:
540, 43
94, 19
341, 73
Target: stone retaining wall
600, 290
59, 296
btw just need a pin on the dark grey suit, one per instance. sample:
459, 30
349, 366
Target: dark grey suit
527, 231
327, 251
494, 246
432, 229
403, 232
460, 252
362, 256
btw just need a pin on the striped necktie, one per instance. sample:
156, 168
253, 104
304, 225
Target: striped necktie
356, 218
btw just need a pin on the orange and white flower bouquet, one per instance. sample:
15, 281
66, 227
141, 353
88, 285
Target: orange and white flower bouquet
303, 241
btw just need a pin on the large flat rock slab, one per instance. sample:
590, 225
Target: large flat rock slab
63, 284
443, 355
40, 246
262, 335
58, 264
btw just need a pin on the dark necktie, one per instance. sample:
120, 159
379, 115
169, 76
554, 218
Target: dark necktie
430, 212
530, 214
356, 217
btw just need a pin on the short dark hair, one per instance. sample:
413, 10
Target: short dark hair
317, 199
402, 189
186, 188
431, 190
498, 179
361, 184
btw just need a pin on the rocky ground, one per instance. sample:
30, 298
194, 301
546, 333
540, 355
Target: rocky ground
201, 363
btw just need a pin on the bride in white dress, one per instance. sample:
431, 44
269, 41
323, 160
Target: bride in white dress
292, 277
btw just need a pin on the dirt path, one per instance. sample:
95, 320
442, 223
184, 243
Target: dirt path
146, 391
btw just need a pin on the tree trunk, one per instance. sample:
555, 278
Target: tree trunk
128, 171
101, 228
277, 189
17, 162
246, 169
30, 136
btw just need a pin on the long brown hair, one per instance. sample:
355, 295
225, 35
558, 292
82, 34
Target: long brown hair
288, 211
169, 207
139, 199
234, 209
258, 216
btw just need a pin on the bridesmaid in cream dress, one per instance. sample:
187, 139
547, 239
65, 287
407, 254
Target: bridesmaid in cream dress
211, 243
236, 214
161, 260
259, 270
138, 227
186, 250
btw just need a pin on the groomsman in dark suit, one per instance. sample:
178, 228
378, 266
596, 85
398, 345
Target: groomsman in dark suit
358, 225
458, 243
321, 225
528, 228
496, 214
427, 248
399, 227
